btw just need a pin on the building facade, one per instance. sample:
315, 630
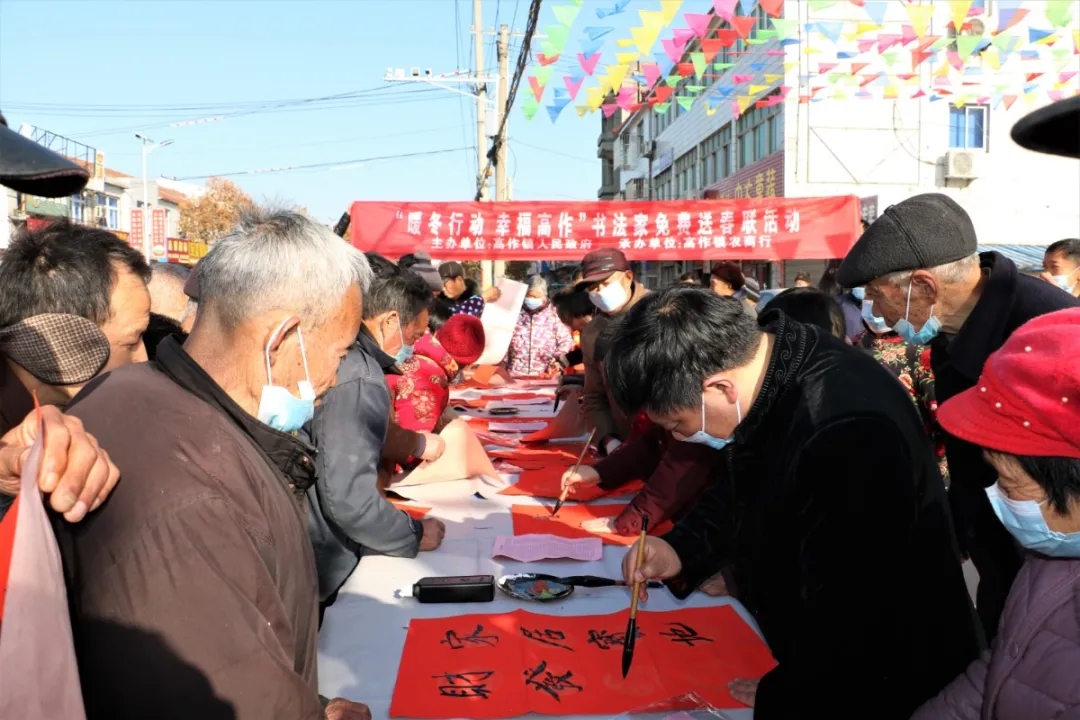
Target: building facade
881, 147
112, 200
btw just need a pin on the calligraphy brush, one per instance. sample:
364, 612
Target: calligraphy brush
631, 625
577, 466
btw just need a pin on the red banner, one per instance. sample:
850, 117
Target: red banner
137, 237
157, 233
747, 229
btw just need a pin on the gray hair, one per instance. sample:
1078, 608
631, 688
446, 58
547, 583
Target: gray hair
279, 260
952, 272
537, 283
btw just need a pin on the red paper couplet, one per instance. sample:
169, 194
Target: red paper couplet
530, 520
500, 666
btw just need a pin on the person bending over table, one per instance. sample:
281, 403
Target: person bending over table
828, 517
677, 472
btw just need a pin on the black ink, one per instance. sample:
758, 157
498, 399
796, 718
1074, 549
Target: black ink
543, 679
475, 639
606, 639
683, 633
466, 684
554, 638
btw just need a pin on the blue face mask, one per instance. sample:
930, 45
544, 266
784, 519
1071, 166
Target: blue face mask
1025, 522
876, 324
906, 330
703, 438
278, 407
534, 303
404, 354
859, 293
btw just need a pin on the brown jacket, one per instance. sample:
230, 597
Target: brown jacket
600, 411
675, 473
193, 588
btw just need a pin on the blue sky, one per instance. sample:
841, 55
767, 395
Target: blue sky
202, 55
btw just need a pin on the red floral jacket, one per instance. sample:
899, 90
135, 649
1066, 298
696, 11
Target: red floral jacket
422, 391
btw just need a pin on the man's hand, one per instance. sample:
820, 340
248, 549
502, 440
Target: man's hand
432, 537
599, 525
716, 586
75, 472
743, 690
660, 562
342, 709
584, 477
492, 294
434, 447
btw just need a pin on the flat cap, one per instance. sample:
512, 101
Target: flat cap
30, 168
55, 348
1054, 129
450, 270
921, 232
600, 264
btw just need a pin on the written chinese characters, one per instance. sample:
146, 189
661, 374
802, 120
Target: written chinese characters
607, 639
475, 639
554, 638
682, 633
465, 685
543, 680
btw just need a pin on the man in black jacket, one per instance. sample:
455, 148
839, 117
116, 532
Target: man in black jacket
922, 272
827, 516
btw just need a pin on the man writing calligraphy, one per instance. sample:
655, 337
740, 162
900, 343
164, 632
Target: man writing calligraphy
826, 514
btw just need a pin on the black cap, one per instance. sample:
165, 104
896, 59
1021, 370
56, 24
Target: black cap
600, 264
923, 231
27, 167
450, 270
1054, 129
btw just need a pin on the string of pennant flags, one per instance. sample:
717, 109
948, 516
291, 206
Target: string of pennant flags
745, 53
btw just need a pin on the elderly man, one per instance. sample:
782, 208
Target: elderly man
349, 515
201, 557
826, 510
921, 272
607, 278
167, 296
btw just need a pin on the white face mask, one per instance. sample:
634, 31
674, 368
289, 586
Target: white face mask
703, 438
610, 297
1065, 282
278, 407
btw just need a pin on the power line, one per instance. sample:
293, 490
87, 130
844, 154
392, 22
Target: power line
553, 152
326, 165
519, 71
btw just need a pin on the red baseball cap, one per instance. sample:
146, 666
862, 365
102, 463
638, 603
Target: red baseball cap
1027, 401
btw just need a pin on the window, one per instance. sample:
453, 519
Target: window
108, 209
662, 186
686, 183
78, 208
760, 134
967, 127
715, 156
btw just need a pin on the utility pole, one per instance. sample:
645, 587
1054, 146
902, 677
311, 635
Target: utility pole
148, 146
502, 186
486, 269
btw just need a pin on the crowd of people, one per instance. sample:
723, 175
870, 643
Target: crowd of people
829, 459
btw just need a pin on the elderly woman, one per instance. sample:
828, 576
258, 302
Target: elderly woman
539, 338
1025, 414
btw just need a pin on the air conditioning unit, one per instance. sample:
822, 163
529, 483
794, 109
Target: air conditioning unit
961, 165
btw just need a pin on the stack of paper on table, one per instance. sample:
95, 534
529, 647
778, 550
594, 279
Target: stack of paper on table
532, 548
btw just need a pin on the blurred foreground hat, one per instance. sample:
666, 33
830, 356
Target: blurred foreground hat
600, 264
427, 271
57, 349
27, 167
1027, 400
463, 337
1054, 129
921, 232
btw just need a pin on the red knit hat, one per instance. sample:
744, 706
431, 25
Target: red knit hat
463, 337
1027, 401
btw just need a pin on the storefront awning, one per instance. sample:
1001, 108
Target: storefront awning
1026, 257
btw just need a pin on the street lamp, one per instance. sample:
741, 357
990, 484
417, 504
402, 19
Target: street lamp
148, 146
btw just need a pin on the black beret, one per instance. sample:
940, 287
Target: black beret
1054, 129
921, 232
